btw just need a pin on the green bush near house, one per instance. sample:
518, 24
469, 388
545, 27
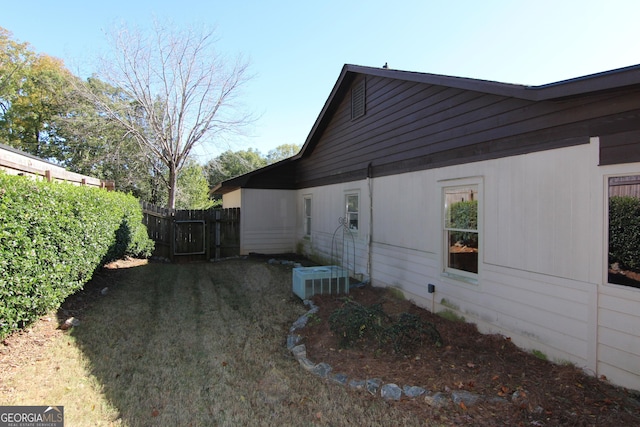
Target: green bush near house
624, 231
53, 237
355, 324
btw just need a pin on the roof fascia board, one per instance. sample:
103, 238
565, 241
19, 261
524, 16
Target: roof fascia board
611, 79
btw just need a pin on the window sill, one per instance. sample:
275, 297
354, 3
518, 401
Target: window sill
460, 277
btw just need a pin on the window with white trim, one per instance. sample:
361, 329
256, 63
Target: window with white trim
352, 210
461, 233
307, 216
624, 229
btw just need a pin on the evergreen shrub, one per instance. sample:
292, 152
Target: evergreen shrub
53, 236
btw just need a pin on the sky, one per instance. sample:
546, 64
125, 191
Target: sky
296, 49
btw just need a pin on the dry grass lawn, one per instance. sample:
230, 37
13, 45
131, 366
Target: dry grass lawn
180, 345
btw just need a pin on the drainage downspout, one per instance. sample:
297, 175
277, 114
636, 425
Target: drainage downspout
369, 239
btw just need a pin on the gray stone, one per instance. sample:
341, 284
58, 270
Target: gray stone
391, 392
301, 322
299, 351
69, 323
306, 364
438, 400
340, 378
104, 291
293, 340
373, 385
466, 397
357, 384
413, 391
322, 369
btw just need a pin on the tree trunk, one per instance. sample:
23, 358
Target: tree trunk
173, 185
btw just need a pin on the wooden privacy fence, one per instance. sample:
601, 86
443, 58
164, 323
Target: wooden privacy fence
193, 235
16, 162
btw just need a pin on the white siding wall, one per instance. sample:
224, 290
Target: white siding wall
327, 207
232, 199
267, 221
533, 284
542, 276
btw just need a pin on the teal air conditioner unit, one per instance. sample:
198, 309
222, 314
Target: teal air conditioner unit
322, 280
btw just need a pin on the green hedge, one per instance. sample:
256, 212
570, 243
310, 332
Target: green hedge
53, 237
624, 231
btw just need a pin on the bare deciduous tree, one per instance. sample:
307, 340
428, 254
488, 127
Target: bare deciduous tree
182, 93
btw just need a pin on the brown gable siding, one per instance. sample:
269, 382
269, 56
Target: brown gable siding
623, 147
417, 121
410, 126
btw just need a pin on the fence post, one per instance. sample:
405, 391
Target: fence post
207, 234
218, 229
172, 234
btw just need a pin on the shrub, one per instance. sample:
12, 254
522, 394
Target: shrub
624, 231
354, 324
53, 237
410, 332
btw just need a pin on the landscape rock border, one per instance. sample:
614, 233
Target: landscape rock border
376, 386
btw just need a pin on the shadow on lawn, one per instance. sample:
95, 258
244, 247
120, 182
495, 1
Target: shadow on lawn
173, 344
205, 344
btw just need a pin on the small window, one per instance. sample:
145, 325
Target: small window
352, 209
358, 100
461, 229
624, 229
307, 216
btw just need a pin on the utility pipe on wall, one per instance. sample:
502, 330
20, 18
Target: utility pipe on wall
369, 238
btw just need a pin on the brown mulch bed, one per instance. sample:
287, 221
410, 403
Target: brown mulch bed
518, 389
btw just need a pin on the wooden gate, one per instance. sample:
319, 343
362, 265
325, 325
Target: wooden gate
193, 235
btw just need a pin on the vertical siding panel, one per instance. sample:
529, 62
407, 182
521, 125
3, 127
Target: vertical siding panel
268, 221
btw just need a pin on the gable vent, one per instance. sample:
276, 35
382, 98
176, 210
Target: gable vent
358, 100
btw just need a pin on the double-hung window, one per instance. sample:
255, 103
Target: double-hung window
351, 211
624, 229
461, 233
307, 216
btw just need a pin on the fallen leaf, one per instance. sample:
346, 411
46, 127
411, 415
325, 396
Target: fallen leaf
155, 413
471, 365
463, 406
495, 378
